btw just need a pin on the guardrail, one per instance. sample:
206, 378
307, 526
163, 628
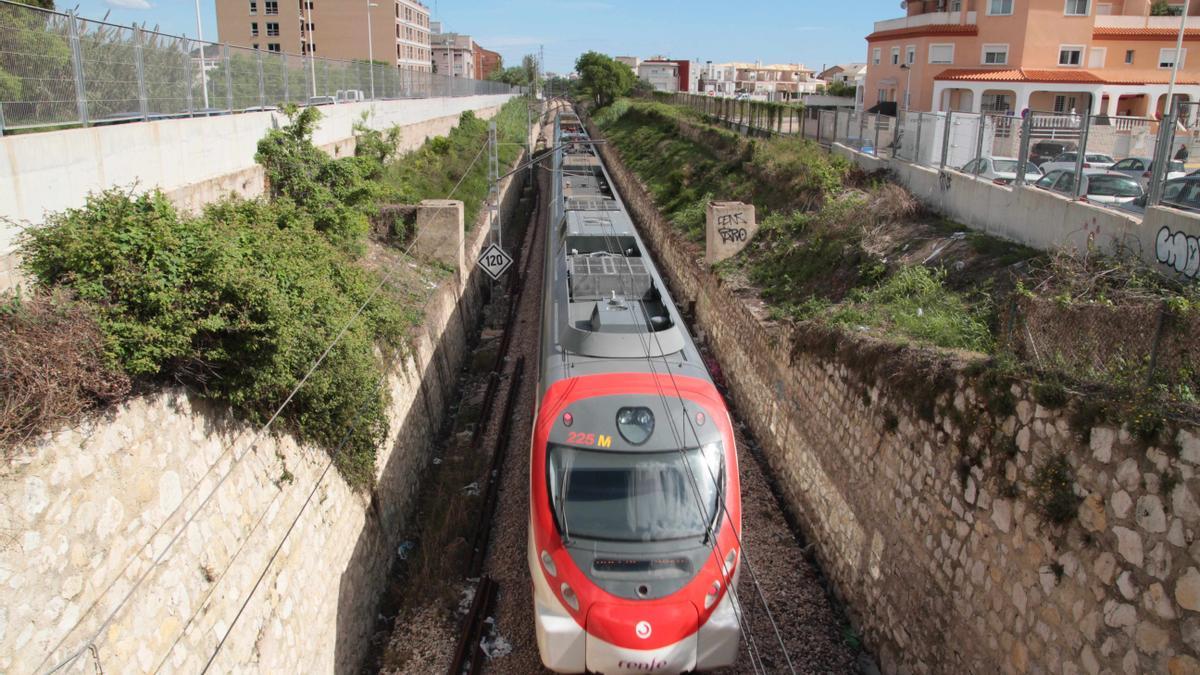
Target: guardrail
58, 69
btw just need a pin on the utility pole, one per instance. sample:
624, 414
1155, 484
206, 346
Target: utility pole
1166, 129
203, 70
371, 48
308, 30
494, 182
1178, 55
541, 61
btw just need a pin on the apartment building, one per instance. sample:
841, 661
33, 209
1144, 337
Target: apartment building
486, 62
336, 29
453, 54
773, 82
1109, 57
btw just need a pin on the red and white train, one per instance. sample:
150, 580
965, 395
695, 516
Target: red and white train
635, 508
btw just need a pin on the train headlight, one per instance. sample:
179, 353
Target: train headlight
548, 563
568, 596
714, 592
635, 424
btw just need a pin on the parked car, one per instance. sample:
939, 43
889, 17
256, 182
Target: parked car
1066, 160
1044, 151
1179, 193
1100, 186
1002, 170
1140, 168
320, 100
350, 95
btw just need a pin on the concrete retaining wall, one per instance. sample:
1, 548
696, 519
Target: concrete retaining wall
925, 519
194, 161
283, 567
1164, 237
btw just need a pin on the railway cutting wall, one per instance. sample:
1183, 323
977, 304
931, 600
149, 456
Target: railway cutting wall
915, 479
283, 564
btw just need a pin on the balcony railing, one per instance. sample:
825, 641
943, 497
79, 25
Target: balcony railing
928, 19
1120, 21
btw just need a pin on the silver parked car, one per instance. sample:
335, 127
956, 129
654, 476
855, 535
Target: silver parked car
1091, 160
1141, 168
1002, 170
1100, 186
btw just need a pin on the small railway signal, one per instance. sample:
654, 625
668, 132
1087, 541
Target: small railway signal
494, 261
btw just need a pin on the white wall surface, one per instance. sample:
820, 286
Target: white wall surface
1166, 238
52, 171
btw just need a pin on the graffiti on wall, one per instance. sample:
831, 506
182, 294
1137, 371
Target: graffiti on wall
1179, 251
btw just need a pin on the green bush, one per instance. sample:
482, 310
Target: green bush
433, 170
237, 304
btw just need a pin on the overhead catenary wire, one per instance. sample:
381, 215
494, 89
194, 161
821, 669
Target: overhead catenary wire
233, 465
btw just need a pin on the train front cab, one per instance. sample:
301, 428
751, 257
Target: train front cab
625, 578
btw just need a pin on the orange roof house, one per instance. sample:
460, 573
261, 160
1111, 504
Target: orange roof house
1108, 57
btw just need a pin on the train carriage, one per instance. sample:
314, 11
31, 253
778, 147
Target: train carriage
635, 520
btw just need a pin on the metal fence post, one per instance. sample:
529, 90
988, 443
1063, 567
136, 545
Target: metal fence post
140, 67
1023, 151
917, 145
1, 121
187, 72
1082, 153
982, 122
875, 147
1162, 153
862, 127
286, 92
228, 79
946, 140
818, 126
262, 86
77, 67
835, 127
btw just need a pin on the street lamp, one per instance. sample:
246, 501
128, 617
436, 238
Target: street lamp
907, 86
203, 61
371, 48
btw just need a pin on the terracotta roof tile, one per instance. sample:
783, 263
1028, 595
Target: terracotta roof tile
941, 29
1072, 76
1117, 33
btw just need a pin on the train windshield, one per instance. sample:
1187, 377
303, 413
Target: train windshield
624, 496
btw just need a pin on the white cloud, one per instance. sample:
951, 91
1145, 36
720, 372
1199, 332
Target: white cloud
129, 4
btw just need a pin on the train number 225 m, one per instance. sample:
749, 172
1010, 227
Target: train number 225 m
581, 438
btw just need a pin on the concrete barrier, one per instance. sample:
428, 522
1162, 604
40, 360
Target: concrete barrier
193, 160
1166, 238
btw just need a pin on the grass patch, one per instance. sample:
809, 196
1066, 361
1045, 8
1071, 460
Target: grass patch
915, 303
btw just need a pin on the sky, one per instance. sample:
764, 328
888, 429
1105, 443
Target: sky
812, 32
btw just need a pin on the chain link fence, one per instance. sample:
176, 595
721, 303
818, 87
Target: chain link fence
60, 70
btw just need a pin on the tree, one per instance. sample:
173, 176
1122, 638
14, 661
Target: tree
34, 62
602, 78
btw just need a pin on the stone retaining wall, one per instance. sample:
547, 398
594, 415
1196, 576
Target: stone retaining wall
282, 550
915, 482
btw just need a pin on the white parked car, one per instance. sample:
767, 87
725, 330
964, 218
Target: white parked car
1141, 168
1100, 186
1091, 160
350, 95
1002, 170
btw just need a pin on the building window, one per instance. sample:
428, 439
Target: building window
271, 7
253, 7
1129, 56
881, 96
875, 56
910, 54
942, 54
253, 29
255, 45
1064, 104
1070, 55
1166, 58
273, 47
1077, 8
272, 30
995, 55
895, 56
1000, 7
